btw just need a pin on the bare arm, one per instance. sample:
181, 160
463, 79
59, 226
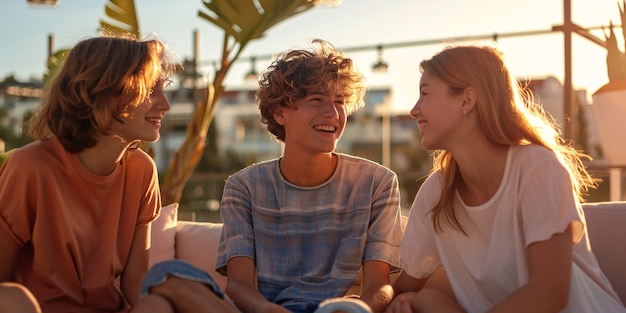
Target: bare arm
13, 297
406, 283
137, 264
241, 287
549, 269
8, 257
377, 291
405, 287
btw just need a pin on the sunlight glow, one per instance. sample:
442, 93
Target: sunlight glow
328, 3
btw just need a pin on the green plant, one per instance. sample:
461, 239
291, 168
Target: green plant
123, 17
4, 155
242, 22
615, 57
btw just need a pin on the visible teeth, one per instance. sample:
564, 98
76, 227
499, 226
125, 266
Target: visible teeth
326, 128
154, 120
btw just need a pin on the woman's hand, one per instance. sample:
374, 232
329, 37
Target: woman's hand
401, 303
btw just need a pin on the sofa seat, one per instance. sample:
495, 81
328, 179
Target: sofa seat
196, 242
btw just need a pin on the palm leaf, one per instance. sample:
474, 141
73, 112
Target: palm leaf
124, 19
248, 20
615, 59
242, 22
5, 155
622, 15
53, 64
122, 12
279, 11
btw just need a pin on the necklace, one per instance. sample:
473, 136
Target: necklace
129, 145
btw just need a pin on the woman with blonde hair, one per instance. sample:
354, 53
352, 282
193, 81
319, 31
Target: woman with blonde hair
77, 203
498, 223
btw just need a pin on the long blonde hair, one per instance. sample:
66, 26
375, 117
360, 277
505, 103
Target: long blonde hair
506, 113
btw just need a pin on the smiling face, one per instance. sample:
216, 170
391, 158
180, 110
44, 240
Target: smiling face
317, 123
144, 120
438, 113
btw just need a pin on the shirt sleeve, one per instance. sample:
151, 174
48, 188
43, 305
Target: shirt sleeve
384, 234
237, 237
15, 195
548, 203
419, 256
151, 199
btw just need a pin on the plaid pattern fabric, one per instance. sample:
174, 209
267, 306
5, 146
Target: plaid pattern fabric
309, 243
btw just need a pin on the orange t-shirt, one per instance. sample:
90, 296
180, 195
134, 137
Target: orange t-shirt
75, 229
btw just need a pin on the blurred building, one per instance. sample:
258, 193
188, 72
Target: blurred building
376, 132
18, 99
548, 92
240, 133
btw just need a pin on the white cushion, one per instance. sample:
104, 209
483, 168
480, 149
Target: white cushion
605, 224
163, 235
196, 243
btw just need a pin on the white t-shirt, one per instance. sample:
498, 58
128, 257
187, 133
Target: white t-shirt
534, 201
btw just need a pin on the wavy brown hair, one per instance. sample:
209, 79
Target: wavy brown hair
507, 114
98, 81
297, 73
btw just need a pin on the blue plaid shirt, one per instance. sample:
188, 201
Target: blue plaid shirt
310, 242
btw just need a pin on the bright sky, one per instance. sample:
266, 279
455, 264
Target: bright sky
354, 23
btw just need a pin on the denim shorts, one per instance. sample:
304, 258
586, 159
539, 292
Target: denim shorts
159, 272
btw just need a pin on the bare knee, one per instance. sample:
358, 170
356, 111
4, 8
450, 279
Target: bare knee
17, 298
152, 304
433, 300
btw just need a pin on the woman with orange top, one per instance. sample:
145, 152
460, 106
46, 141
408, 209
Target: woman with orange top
78, 202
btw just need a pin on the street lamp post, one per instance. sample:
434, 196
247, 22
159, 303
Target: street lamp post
568, 27
386, 135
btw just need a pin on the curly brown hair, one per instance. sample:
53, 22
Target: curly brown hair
296, 73
97, 83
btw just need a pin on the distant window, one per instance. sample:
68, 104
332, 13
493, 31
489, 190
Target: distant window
376, 97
